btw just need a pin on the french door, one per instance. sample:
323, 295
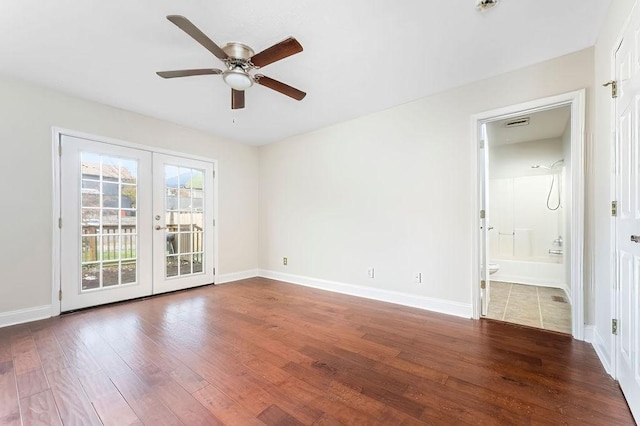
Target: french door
133, 223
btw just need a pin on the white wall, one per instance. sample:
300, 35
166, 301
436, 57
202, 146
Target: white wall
516, 159
518, 200
523, 227
391, 190
602, 179
27, 114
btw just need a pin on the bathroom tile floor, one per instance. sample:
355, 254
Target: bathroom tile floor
542, 307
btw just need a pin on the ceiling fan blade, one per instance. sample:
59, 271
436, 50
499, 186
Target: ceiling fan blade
280, 87
188, 73
237, 99
276, 52
187, 26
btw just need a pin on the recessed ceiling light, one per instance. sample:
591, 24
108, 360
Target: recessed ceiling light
483, 5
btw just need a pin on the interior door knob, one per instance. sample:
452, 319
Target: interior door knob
635, 238
158, 227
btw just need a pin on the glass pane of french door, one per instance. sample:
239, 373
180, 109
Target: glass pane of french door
109, 220
184, 219
106, 207
183, 208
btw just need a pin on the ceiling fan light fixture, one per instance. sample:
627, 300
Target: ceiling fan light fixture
237, 78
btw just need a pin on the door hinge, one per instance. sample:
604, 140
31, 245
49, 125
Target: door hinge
614, 88
60, 295
60, 222
614, 326
483, 284
214, 222
213, 174
60, 148
614, 208
481, 143
482, 214
214, 271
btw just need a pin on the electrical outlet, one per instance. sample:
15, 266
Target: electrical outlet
370, 272
417, 277
284, 261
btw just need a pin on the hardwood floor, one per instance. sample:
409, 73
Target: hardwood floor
266, 352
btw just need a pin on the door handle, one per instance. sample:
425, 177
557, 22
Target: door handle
635, 238
158, 227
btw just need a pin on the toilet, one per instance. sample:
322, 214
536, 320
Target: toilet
493, 268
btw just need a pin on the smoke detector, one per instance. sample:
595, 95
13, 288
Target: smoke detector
483, 5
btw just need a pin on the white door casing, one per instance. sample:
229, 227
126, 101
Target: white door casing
576, 100
627, 289
485, 293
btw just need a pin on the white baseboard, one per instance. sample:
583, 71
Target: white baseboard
458, 309
236, 276
601, 350
25, 315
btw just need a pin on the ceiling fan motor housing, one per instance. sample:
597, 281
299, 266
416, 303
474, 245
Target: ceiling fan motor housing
238, 51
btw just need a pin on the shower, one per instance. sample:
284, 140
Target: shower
553, 182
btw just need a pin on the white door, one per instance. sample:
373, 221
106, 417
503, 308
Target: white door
106, 223
628, 222
182, 222
485, 285
112, 200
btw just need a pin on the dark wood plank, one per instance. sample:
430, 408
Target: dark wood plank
175, 397
108, 402
39, 409
5, 347
72, 403
223, 407
188, 379
32, 383
9, 408
146, 405
25, 354
275, 415
51, 355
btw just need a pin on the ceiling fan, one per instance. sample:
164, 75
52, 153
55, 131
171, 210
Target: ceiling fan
239, 60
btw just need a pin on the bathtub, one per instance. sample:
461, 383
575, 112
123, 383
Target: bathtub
544, 274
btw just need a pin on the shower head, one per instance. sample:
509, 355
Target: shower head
538, 166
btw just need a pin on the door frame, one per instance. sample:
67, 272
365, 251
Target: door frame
56, 134
576, 100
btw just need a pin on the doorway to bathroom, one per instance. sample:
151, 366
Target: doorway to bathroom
530, 192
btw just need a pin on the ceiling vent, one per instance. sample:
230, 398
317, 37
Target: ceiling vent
483, 5
517, 122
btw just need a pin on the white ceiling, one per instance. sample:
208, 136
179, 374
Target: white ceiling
359, 56
548, 124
